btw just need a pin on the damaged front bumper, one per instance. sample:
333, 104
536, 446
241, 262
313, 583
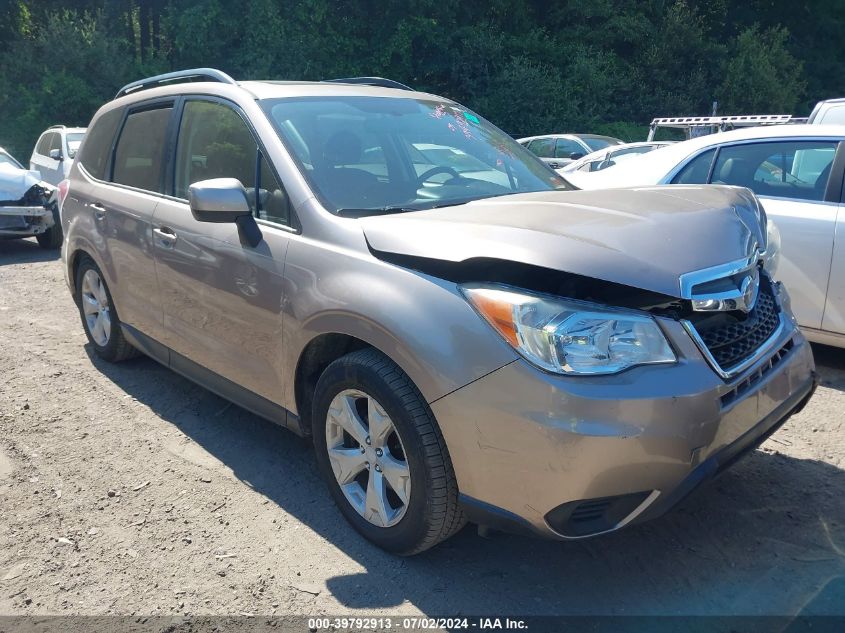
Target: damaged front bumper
571, 457
23, 221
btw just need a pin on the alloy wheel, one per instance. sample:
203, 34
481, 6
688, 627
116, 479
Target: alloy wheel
367, 458
95, 307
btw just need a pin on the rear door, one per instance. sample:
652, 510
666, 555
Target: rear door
120, 208
223, 298
795, 181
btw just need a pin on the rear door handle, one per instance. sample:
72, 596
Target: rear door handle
165, 236
99, 210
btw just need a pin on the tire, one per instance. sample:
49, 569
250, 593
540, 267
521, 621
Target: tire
432, 513
52, 237
107, 339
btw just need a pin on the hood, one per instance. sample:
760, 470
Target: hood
644, 237
14, 182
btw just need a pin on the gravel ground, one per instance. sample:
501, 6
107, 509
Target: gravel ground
125, 489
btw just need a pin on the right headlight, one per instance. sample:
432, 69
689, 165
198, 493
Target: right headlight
771, 258
570, 337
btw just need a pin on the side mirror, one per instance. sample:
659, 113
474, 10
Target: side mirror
576, 155
218, 200
56, 154
224, 200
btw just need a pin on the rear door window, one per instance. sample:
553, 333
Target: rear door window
543, 147
787, 169
139, 155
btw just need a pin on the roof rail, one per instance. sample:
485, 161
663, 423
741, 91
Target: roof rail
179, 76
722, 122
370, 81
56, 127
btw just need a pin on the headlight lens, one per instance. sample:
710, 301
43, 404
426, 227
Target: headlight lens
771, 258
570, 337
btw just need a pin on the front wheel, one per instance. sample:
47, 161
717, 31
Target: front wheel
52, 237
383, 456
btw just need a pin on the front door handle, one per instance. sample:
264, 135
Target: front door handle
99, 210
165, 236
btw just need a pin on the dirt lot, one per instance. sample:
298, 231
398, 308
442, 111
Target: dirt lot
126, 489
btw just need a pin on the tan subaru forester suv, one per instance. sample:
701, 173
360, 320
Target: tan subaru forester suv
462, 334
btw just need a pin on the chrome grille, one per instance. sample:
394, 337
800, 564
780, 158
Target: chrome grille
733, 337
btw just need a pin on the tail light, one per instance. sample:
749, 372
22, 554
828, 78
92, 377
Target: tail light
64, 189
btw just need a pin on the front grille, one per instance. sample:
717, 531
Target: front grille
732, 337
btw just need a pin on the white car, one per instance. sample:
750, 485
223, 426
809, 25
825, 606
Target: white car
612, 155
557, 150
797, 171
28, 205
54, 152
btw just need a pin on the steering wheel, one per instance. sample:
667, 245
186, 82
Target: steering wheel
440, 169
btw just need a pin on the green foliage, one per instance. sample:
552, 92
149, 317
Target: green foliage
529, 66
761, 73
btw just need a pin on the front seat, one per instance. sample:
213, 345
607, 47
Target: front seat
346, 186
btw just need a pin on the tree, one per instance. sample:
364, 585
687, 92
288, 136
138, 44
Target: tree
761, 75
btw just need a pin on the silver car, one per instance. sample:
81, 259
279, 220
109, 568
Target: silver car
461, 334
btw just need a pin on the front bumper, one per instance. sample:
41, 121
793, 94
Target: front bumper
23, 221
568, 457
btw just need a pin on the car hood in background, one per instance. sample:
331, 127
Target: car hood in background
644, 237
14, 182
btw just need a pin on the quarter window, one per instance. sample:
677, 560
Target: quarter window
98, 144
215, 142
790, 169
139, 155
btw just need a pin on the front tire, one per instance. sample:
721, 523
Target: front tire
52, 237
99, 316
383, 456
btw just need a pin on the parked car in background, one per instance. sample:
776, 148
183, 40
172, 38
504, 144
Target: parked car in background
54, 152
797, 172
28, 206
612, 155
337, 257
557, 150
830, 111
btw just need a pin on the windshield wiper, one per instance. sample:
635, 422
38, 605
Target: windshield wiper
363, 213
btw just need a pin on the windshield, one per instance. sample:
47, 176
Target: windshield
74, 140
5, 159
600, 142
382, 154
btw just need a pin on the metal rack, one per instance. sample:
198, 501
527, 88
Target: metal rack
721, 123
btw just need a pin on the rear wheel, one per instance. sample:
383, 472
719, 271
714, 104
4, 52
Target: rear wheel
99, 317
52, 237
382, 454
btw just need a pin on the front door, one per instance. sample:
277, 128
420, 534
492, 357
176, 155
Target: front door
223, 298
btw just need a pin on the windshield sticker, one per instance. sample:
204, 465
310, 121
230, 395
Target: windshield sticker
459, 123
471, 117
